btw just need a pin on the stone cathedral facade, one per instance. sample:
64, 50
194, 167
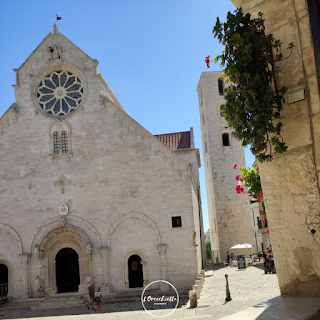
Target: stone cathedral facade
86, 192
229, 213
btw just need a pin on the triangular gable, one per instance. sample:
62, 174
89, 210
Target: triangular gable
47, 37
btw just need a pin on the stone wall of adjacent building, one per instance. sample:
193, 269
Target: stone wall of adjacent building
229, 212
122, 186
291, 181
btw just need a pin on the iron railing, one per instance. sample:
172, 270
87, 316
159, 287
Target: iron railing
3, 292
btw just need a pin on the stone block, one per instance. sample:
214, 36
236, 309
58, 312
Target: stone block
198, 282
196, 288
300, 5
308, 60
314, 93
304, 23
193, 298
305, 38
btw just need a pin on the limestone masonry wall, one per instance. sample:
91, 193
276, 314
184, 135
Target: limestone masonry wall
122, 186
291, 181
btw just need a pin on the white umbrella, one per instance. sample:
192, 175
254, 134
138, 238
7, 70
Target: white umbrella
242, 246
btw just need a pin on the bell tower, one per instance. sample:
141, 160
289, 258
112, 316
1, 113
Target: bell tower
229, 212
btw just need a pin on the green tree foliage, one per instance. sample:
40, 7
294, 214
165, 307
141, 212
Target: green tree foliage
208, 248
252, 105
250, 178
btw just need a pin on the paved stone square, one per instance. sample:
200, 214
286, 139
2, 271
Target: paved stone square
255, 295
248, 287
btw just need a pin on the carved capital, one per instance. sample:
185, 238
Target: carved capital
25, 258
162, 248
105, 251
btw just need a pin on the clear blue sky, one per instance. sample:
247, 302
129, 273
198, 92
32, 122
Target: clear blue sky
151, 53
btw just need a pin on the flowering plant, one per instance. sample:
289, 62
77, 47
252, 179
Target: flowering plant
208, 61
253, 101
250, 178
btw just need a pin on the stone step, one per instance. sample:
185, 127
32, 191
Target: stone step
45, 303
66, 301
63, 298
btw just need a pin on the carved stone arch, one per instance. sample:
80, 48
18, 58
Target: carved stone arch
65, 122
9, 265
126, 269
68, 218
52, 236
12, 232
138, 216
66, 236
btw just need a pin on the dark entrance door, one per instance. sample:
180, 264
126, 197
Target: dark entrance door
4, 274
135, 272
67, 270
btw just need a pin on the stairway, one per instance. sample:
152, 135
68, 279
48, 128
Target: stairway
56, 302
63, 300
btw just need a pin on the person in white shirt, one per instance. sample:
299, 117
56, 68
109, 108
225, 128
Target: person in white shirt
98, 298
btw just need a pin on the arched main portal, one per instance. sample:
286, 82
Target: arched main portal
67, 270
4, 275
135, 272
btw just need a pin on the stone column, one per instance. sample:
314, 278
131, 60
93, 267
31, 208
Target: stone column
162, 248
25, 259
105, 253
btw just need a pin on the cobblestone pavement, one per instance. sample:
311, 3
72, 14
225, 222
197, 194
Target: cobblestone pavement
248, 288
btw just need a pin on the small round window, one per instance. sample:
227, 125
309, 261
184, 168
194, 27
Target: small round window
60, 93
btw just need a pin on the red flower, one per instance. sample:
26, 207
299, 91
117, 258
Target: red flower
260, 211
257, 168
268, 232
239, 189
238, 177
260, 196
235, 166
208, 61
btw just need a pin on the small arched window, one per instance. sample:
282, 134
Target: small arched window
225, 140
220, 86
60, 140
56, 142
64, 141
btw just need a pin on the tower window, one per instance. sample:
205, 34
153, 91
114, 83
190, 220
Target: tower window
225, 140
176, 222
56, 142
220, 86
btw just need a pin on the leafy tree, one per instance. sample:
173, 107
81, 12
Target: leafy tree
208, 248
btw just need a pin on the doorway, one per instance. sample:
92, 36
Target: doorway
67, 270
4, 275
135, 272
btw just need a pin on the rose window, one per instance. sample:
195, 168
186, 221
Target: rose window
60, 93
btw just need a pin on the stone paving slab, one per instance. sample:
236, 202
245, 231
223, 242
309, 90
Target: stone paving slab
254, 296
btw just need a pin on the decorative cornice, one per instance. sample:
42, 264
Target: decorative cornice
162, 248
